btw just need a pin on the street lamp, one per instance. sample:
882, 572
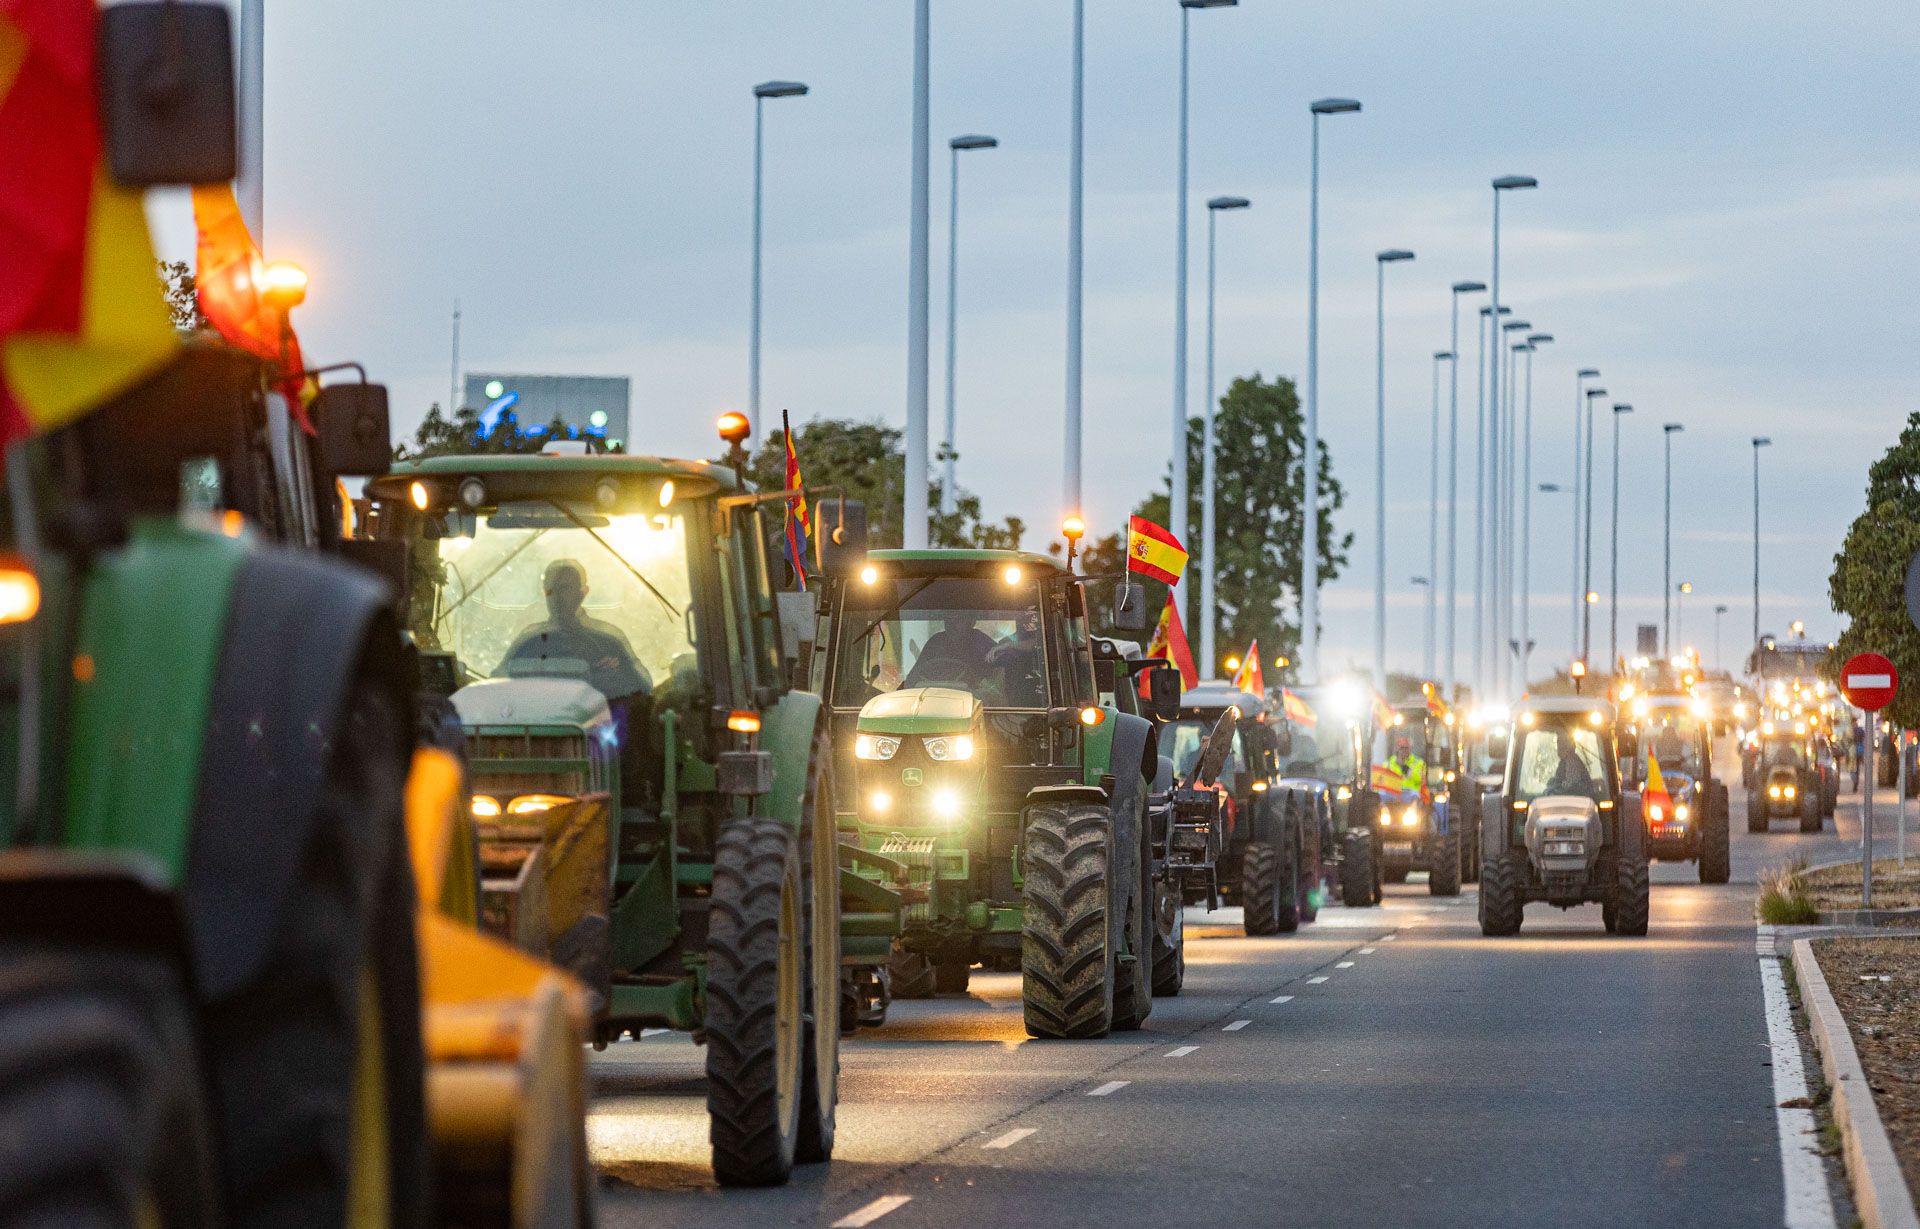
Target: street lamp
1310, 475
914, 495
1506, 183
1759, 442
1421, 582
1613, 634
1380, 262
1179, 454
1579, 401
1076, 166
1680, 611
1502, 461
1433, 513
761, 92
1667, 431
1482, 489
1718, 610
1209, 495
1586, 546
1450, 681
1534, 342
954, 147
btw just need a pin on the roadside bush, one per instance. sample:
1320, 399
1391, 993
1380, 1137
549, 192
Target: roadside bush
1783, 896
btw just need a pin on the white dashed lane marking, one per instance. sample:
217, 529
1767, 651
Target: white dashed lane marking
1344, 964
1181, 1051
1367, 951
1009, 1139
1388, 938
1109, 1088
1314, 981
1285, 998
1236, 1026
872, 1212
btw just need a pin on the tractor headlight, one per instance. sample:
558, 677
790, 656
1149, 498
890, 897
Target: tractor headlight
1410, 818
946, 804
1773, 791
880, 802
1680, 812
1656, 813
950, 747
1786, 791
485, 806
527, 804
875, 746
1386, 818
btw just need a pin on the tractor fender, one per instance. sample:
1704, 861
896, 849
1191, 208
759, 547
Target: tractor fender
108, 899
1133, 759
787, 731
299, 625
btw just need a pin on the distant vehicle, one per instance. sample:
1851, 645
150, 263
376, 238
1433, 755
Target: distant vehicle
1482, 757
1336, 740
1673, 731
1785, 781
1417, 831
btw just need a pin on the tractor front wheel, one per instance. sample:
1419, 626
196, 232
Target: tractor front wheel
1260, 909
1169, 942
1444, 859
1068, 949
1716, 853
952, 975
1358, 878
1500, 902
820, 838
756, 1003
1632, 891
1757, 818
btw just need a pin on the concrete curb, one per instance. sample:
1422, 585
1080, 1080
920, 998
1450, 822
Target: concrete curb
1880, 1191
1865, 917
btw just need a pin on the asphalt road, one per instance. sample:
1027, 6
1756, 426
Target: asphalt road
1383, 1066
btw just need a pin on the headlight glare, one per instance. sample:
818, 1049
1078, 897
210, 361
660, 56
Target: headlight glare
1410, 818
950, 747
946, 804
527, 804
875, 746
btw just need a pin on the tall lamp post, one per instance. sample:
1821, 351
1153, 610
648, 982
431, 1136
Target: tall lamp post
1451, 680
1667, 432
1209, 494
1718, 610
1505, 183
1534, 342
1380, 262
1310, 458
1433, 517
1586, 545
761, 92
1759, 442
1178, 504
914, 497
1076, 165
954, 147
1680, 612
1579, 403
1482, 492
1613, 617
1505, 496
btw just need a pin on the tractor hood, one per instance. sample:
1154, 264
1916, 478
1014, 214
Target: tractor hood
920, 710
1563, 833
530, 701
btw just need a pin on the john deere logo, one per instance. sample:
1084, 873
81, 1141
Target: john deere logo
910, 776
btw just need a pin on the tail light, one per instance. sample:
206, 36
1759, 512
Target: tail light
19, 591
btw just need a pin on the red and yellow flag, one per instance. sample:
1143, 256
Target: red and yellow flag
1298, 711
799, 518
82, 317
1656, 805
1153, 551
229, 271
1170, 641
1248, 677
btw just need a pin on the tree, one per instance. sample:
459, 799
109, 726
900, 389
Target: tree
183, 297
866, 462
1868, 584
1260, 439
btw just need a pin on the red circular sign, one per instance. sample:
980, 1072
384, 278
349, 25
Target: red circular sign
1868, 680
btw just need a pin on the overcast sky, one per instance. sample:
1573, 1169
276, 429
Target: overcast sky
1728, 227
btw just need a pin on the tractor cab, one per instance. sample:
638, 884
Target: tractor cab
1335, 738
1668, 757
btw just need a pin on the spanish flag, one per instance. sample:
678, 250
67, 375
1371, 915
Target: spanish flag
82, 317
1656, 804
1153, 551
1298, 711
1170, 641
1248, 677
799, 519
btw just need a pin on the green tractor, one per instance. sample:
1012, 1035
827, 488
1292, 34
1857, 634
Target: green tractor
655, 797
1334, 739
994, 783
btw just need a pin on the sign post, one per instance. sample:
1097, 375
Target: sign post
1869, 681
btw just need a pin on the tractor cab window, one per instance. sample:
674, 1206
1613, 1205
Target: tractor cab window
976, 634
1487, 753
1561, 758
564, 591
1673, 739
1182, 742
1783, 753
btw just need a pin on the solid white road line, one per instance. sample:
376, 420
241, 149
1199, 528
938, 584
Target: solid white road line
1010, 1138
1285, 998
872, 1212
1181, 1051
1801, 1170
1367, 951
1109, 1088
1314, 981
1236, 1026
1344, 964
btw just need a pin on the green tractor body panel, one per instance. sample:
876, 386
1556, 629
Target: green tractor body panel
920, 710
152, 626
787, 730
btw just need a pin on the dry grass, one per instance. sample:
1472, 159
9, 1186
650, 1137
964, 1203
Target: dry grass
1876, 982
1784, 900
1838, 887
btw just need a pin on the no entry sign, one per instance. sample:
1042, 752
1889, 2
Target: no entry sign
1868, 680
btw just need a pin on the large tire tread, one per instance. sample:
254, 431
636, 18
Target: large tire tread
1500, 903
1444, 859
1357, 876
1067, 953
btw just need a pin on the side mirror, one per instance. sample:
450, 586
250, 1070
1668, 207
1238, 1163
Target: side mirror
352, 423
840, 533
1130, 607
1163, 692
166, 93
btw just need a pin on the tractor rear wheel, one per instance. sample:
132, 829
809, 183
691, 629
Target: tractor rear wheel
1134, 904
911, 975
756, 1003
951, 976
1500, 903
1757, 820
1260, 909
1444, 859
820, 837
1716, 853
1067, 947
1169, 943
1357, 875
103, 1122
1632, 891
338, 1137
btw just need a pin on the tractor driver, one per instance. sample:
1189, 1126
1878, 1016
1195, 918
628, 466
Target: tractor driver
568, 634
1410, 768
1570, 775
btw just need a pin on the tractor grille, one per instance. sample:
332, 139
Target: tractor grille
523, 762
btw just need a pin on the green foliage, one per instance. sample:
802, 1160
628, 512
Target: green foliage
866, 462
1260, 436
1783, 896
1869, 573
183, 297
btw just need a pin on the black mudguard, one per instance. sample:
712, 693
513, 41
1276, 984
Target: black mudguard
299, 626
90, 898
